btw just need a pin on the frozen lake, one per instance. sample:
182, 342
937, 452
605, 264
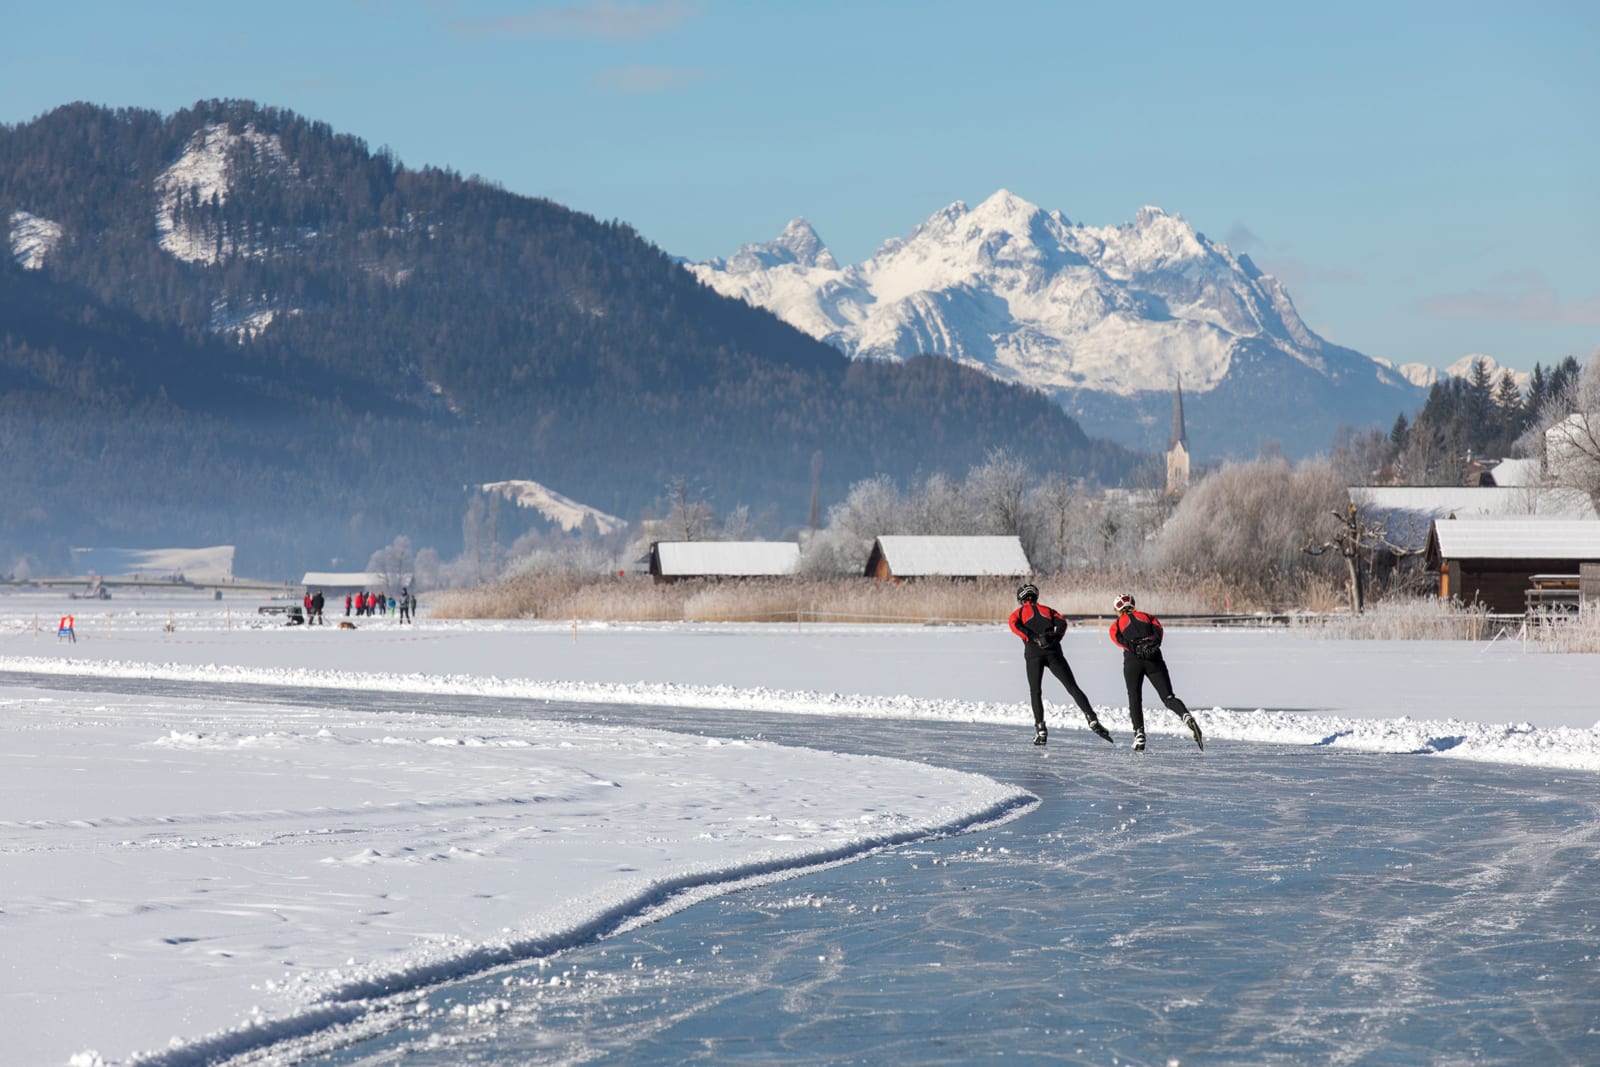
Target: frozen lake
1257, 903
364, 848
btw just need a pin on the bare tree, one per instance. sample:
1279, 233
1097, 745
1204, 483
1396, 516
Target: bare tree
1358, 541
1248, 522
941, 506
1057, 499
688, 514
1569, 424
999, 488
395, 562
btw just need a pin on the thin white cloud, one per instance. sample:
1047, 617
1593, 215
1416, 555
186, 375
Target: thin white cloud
642, 80
605, 20
1242, 237
1292, 272
1539, 304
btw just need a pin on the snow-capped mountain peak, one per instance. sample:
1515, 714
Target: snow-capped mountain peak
1030, 297
798, 245
1027, 295
1425, 376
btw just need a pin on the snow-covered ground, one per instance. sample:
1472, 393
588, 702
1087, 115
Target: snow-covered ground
185, 875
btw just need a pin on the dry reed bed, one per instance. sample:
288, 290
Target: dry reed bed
637, 598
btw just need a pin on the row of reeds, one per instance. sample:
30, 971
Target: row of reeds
637, 598
1405, 619
590, 597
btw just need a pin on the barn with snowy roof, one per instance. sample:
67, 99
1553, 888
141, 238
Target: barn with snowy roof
1409, 511
897, 557
1507, 564
671, 561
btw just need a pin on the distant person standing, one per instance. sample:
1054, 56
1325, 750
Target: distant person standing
317, 604
347, 605
1139, 636
1041, 629
405, 605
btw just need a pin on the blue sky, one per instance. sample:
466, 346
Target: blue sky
1424, 177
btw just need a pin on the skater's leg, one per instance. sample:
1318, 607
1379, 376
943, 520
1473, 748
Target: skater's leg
1133, 676
1163, 683
1063, 671
1036, 689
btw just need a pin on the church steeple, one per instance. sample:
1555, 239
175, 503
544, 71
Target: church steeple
1177, 437
1177, 447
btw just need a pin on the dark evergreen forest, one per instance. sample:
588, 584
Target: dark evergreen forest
428, 333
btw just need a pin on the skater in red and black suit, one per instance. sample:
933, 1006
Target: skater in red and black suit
1139, 636
1041, 629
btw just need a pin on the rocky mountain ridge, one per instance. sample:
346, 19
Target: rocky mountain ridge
1105, 320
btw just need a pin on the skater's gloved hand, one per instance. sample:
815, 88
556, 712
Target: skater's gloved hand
1042, 642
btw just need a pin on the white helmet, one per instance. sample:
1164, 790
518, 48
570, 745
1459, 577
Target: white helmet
1124, 602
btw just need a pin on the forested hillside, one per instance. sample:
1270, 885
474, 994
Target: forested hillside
240, 327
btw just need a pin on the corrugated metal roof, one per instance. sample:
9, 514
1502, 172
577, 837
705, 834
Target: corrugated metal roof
955, 557
1442, 501
1526, 538
727, 558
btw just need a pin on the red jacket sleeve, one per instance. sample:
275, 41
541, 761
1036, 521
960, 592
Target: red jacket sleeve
1016, 626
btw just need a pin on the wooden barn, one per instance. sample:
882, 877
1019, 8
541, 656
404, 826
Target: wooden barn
895, 558
674, 560
1495, 561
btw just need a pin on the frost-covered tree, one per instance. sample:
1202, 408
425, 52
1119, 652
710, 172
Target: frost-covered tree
689, 516
395, 562
1249, 522
1567, 431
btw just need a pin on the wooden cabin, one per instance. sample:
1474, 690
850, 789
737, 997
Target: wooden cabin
671, 561
1494, 561
895, 558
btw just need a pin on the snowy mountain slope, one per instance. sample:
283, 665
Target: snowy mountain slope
1105, 319
203, 174
560, 510
33, 239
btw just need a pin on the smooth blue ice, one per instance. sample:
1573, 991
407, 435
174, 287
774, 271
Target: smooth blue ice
1250, 905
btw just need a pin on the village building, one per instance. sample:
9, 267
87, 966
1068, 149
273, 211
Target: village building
671, 561
1510, 564
1407, 512
1510, 473
340, 583
898, 557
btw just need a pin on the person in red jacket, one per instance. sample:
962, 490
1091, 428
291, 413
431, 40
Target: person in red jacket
1041, 629
1139, 636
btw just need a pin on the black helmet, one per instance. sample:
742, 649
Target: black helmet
1027, 592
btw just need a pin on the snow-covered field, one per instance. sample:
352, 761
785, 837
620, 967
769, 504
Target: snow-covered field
184, 876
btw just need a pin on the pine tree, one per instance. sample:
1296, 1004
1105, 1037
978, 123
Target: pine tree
1510, 415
